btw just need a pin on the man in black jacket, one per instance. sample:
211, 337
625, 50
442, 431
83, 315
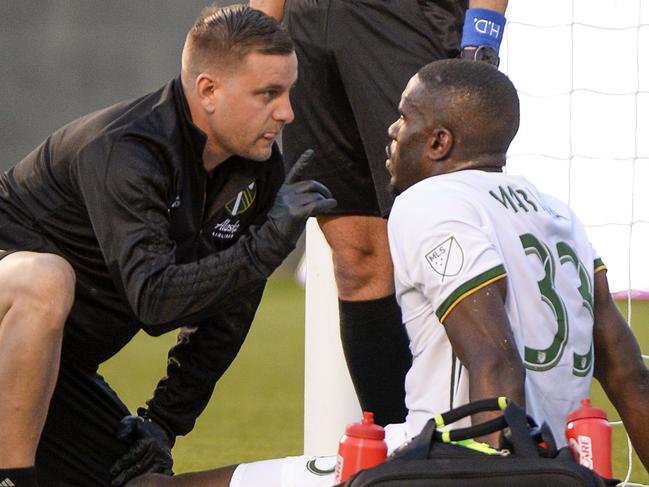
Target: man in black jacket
159, 213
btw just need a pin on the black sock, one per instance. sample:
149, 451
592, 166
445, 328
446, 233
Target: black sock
376, 349
18, 477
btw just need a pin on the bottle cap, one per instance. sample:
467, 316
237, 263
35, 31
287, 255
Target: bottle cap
366, 429
586, 411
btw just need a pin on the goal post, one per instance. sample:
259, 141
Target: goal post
329, 398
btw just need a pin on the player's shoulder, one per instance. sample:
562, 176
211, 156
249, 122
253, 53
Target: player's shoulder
554, 206
433, 201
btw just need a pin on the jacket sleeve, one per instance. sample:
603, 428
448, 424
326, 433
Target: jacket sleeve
198, 360
126, 199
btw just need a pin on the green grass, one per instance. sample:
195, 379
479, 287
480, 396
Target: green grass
257, 409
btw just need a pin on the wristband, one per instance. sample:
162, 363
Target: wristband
483, 27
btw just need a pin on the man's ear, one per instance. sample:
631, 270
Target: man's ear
207, 91
440, 143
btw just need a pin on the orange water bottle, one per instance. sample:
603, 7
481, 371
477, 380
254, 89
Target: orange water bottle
589, 437
362, 446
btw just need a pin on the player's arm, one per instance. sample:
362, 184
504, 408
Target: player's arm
274, 8
496, 5
620, 369
481, 336
200, 357
484, 27
197, 361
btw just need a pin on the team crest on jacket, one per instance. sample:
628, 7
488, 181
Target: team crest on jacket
447, 258
243, 200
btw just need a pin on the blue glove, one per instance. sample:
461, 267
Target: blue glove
149, 452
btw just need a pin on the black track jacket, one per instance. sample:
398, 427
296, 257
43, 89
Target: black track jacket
156, 242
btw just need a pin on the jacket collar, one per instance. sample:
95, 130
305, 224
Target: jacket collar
192, 134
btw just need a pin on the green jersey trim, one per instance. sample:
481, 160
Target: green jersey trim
468, 288
599, 265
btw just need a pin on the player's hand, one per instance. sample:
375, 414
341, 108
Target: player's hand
297, 201
481, 53
149, 452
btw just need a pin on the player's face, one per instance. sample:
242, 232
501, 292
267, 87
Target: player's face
253, 105
408, 134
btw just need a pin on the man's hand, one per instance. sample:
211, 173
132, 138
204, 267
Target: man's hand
297, 201
481, 53
150, 450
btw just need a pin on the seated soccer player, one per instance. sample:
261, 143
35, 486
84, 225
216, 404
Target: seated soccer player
500, 289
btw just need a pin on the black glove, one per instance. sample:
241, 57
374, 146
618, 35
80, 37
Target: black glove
149, 452
481, 53
297, 201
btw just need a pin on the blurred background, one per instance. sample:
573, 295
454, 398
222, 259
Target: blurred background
63, 59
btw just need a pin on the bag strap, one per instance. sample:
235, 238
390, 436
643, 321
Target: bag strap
492, 404
514, 417
481, 429
519, 426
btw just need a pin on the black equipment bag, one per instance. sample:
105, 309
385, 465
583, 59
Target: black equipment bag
435, 458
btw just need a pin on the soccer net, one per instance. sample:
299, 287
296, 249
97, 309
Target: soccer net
582, 71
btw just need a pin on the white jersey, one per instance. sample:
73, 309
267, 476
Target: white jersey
453, 234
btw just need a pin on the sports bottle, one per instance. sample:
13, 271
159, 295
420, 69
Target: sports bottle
362, 446
589, 436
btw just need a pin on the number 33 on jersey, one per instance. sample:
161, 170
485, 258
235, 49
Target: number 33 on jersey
453, 234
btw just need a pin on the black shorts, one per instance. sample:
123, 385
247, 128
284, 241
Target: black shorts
15, 236
79, 444
355, 59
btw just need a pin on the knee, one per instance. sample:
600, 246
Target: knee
359, 266
43, 282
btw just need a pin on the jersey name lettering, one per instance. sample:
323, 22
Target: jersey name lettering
513, 199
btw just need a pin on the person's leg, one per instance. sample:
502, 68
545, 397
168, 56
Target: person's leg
36, 295
302, 471
325, 122
361, 257
219, 477
79, 442
374, 340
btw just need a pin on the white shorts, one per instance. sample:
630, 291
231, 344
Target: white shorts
303, 471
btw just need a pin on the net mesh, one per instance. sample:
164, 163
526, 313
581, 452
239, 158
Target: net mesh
582, 71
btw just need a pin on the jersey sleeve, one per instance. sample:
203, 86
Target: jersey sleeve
447, 255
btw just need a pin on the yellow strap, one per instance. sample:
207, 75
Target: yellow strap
477, 446
439, 421
446, 436
502, 402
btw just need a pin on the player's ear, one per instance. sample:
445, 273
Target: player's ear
440, 143
207, 89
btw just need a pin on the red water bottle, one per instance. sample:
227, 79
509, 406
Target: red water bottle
362, 446
589, 436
